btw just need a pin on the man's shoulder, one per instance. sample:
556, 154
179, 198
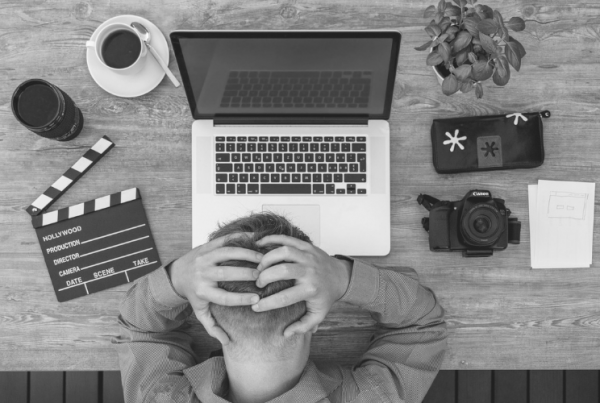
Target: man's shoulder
352, 384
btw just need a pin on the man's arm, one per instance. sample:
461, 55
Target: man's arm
153, 349
406, 352
153, 346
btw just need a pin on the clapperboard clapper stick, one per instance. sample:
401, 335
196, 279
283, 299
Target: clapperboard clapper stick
95, 245
73, 174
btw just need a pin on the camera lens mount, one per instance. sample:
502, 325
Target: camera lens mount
482, 224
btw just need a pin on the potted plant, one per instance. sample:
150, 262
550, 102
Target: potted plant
471, 43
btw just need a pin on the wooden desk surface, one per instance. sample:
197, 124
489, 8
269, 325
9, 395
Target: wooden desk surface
501, 314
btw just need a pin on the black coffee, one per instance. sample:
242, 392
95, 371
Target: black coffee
38, 105
121, 49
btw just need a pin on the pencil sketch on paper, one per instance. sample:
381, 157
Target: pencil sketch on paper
567, 205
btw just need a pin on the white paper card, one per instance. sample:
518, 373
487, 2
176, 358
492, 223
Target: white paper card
561, 218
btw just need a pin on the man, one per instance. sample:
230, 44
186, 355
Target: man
261, 288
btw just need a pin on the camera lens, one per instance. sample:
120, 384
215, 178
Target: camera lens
482, 225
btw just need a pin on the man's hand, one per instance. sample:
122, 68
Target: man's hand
321, 280
195, 275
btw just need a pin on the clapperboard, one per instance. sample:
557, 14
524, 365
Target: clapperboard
94, 245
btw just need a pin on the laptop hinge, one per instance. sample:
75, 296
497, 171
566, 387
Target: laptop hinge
287, 121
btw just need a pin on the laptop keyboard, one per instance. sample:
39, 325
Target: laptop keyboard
297, 89
291, 165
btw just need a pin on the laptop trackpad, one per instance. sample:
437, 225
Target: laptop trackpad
305, 217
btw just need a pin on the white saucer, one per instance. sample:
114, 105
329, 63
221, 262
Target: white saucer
133, 85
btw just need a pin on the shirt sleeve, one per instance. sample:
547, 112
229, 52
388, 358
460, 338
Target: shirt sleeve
153, 347
407, 350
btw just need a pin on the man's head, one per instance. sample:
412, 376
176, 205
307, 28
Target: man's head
261, 331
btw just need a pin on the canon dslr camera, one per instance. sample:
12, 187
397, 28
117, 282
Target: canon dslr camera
476, 225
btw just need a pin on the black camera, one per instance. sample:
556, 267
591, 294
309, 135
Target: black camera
476, 225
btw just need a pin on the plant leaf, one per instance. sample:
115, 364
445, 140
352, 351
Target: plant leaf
424, 46
445, 24
488, 26
444, 51
438, 17
520, 47
441, 6
466, 86
433, 30
478, 90
452, 30
516, 24
505, 35
463, 72
513, 55
487, 43
472, 57
450, 85
502, 72
463, 39
462, 56
482, 71
429, 12
434, 58
498, 18
471, 26
484, 11
452, 11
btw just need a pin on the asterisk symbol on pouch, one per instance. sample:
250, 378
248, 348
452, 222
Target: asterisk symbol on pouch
517, 116
489, 149
454, 140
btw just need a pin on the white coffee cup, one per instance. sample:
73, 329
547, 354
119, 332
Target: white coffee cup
101, 37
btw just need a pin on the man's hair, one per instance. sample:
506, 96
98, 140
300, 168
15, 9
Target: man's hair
241, 323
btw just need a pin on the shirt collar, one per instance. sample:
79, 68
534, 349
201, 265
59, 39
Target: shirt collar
209, 380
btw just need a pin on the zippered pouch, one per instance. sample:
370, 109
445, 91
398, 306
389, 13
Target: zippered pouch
486, 143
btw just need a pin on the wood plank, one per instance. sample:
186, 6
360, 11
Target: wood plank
501, 314
581, 387
13, 387
46, 387
546, 386
112, 389
510, 386
443, 388
474, 386
81, 386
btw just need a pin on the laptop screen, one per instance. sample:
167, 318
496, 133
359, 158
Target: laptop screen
285, 74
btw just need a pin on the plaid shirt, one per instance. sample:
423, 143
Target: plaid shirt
403, 358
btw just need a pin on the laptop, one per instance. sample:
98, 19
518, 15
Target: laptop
292, 122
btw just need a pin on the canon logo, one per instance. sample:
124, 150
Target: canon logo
481, 194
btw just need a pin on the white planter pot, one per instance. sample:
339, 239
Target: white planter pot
438, 75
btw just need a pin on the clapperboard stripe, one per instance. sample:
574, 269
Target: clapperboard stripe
73, 174
86, 208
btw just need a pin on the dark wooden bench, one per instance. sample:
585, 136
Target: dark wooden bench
449, 387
